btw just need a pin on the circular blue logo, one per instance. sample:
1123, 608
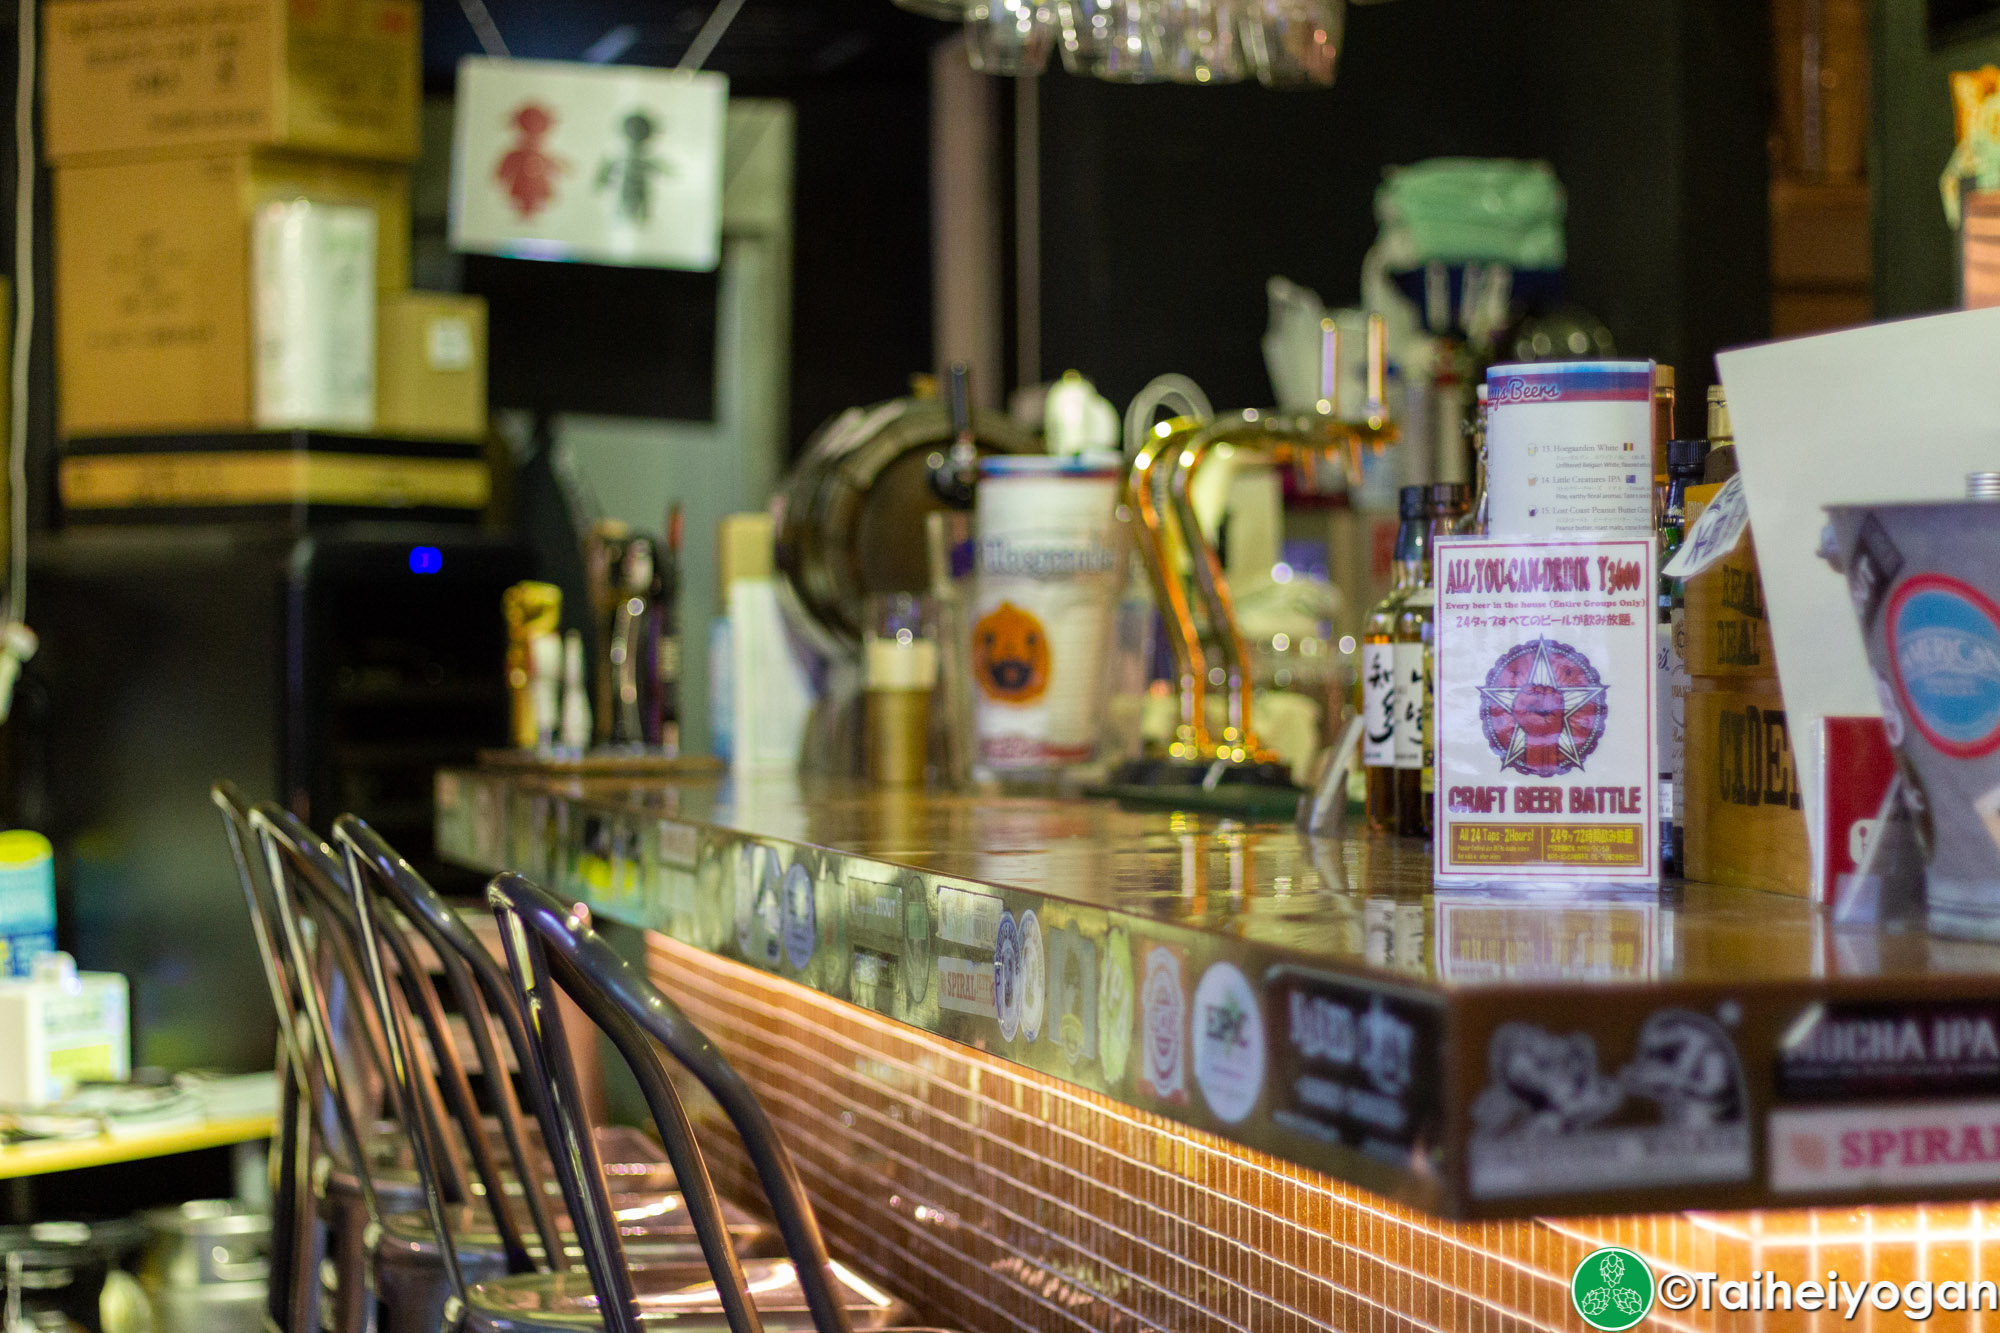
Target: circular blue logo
1944, 655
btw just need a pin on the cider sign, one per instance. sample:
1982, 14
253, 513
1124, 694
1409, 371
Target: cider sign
1547, 748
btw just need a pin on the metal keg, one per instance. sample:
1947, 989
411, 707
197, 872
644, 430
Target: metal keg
851, 519
205, 1267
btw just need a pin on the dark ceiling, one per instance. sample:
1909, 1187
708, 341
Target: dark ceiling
775, 41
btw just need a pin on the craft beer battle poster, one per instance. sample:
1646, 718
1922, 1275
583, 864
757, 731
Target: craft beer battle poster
1546, 748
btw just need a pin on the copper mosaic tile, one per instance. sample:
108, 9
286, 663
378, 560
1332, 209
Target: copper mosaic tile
998, 1199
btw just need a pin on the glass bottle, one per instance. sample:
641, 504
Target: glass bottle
1379, 696
1685, 460
1473, 522
1446, 502
1721, 464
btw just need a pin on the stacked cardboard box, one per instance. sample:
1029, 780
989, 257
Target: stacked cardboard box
207, 158
1745, 817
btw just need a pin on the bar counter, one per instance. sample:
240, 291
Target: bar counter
1117, 1056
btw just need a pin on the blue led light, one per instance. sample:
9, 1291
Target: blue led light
426, 560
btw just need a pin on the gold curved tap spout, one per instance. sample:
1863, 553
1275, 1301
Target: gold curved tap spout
1163, 549
1322, 432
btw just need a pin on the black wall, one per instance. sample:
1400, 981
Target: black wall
1167, 208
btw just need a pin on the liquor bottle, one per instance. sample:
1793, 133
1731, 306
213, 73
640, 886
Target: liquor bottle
1473, 522
1378, 666
1416, 748
667, 658
1663, 432
1721, 464
1685, 459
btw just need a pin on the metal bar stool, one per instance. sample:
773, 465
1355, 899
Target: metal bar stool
550, 945
344, 1282
422, 1263
292, 1288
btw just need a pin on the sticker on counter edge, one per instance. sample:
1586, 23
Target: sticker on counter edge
1115, 1004
1228, 1043
1034, 976
1352, 1066
800, 927
1073, 991
755, 865
965, 986
874, 912
1902, 1146
1006, 980
970, 920
1550, 1121
1889, 1051
679, 844
916, 938
1163, 1026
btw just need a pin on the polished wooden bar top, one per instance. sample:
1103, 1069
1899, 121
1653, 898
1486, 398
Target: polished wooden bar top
1478, 1051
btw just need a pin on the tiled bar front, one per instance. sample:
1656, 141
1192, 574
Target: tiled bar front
968, 1173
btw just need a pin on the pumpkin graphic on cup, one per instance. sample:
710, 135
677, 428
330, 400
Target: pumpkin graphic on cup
1010, 655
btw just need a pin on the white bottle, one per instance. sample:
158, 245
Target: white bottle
576, 696
545, 661
770, 691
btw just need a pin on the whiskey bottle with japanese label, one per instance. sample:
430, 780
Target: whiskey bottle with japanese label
1379, 696
1416, 748
1685, 460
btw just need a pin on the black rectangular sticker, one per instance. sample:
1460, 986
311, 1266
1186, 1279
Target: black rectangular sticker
1352, 1065
1890, 1052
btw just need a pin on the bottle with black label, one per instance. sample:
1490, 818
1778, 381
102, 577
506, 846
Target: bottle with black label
1685, 460
1379, 696
1445, 503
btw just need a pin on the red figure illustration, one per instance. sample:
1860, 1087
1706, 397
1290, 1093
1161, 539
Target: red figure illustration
527, 172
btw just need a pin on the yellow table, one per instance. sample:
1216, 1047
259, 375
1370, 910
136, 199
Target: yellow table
39, 1159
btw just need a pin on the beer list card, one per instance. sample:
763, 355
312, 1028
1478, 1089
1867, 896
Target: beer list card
1547, 753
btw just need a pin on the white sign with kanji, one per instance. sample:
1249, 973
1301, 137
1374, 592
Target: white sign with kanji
597, 163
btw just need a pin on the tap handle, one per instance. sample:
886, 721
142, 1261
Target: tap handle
959, 395
1378, 368
954, 472
1329, 367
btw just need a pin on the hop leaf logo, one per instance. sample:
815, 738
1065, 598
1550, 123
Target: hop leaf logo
1612, 1289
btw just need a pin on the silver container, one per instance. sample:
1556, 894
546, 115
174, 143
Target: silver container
205, 1267
1924, 579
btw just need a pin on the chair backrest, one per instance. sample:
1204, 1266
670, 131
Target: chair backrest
252, 871
316, 908
534, 978
291, 1297
546, 940
393, 903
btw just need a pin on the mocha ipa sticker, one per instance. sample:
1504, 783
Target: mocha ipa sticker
1547, 753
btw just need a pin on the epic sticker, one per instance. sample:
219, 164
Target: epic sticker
1228, 1043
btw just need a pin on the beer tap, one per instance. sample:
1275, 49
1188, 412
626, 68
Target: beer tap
1320, 433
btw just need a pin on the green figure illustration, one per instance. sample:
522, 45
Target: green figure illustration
631, 174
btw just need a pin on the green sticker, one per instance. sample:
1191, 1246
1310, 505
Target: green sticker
1612, 1289
1114, 1006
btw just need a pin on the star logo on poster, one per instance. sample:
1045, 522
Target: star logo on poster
1543, 708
